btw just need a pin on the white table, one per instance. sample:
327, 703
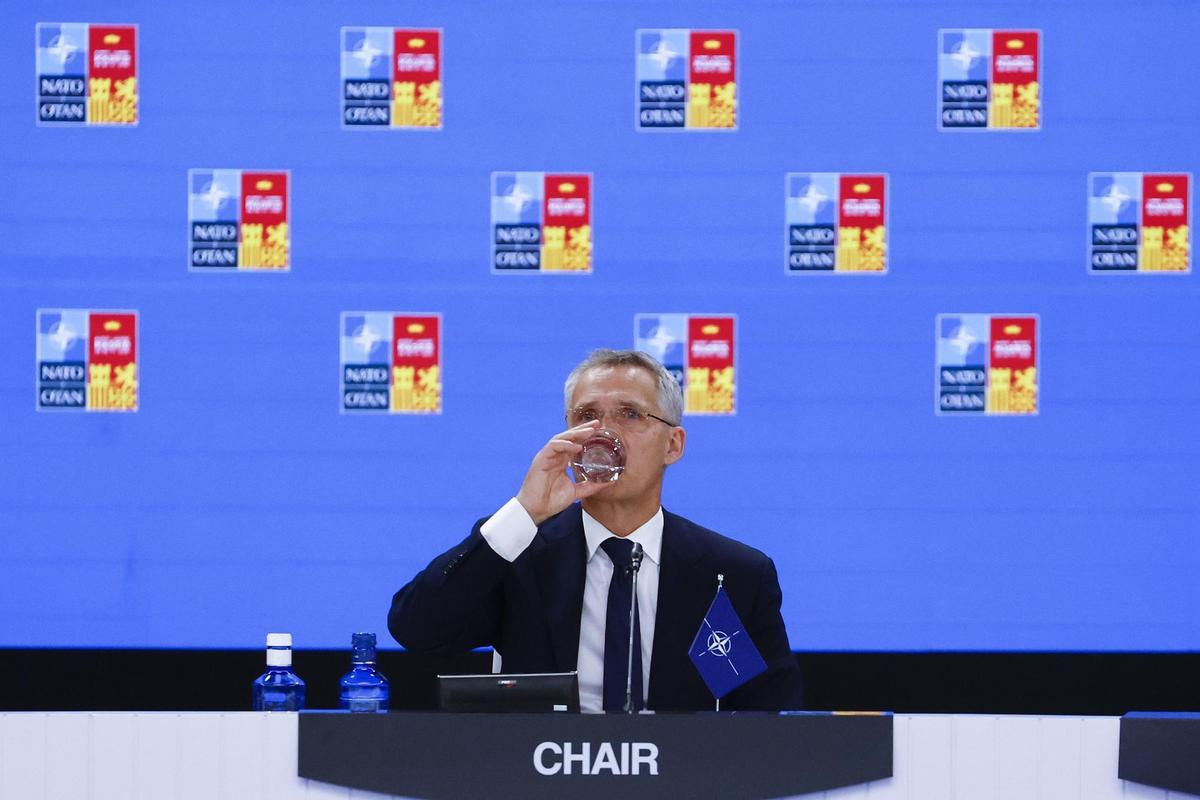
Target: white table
246, 756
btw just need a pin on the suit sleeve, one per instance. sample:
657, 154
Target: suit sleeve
780, 687
455, 603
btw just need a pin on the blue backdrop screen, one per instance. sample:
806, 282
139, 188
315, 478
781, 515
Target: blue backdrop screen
239, 498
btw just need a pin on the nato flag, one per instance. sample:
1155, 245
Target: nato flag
722, 651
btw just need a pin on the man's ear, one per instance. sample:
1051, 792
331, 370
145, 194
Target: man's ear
676, 445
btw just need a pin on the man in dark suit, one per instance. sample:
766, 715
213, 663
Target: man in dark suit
546, 580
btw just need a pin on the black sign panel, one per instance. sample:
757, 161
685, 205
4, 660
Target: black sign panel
1161, 750
442, 755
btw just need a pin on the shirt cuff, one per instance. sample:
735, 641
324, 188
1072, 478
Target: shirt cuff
509, 531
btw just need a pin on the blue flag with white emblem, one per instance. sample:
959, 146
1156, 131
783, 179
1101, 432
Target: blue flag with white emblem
722, 651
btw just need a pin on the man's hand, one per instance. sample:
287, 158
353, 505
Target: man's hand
547, 490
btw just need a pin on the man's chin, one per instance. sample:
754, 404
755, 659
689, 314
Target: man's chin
620, 490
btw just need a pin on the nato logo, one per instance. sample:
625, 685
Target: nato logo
62, 73
810, 213
516, 221
391, 362
963, 65
391, 78
962, 362
366, 361
86, 74
238, 220
1139, 222
214, 215
989, 79
987, 364
662, 78
685, 79
541, 222
87, 360
366, 76
62, 358
835, 222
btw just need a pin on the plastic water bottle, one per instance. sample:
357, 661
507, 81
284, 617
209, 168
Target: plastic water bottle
363, 688
278, 689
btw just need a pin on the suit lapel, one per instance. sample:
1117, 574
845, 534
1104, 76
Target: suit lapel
683, 596
560, 568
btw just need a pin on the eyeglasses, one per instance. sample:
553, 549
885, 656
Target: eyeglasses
626, 417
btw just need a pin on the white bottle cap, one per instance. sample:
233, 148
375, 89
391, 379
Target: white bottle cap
279, 640
279, 649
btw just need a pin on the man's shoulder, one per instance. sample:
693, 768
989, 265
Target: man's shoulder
702, 541
564, 523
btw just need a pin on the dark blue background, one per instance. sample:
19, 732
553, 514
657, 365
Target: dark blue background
237, 500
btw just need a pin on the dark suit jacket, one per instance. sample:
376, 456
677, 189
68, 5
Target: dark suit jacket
529, 609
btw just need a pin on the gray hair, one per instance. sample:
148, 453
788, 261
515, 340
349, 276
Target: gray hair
670, 396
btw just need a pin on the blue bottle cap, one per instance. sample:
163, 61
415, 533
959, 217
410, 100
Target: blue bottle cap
363, 646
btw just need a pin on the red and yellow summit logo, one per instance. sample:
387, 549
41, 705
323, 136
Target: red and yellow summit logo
238, 220
987, 364
989, 79
87, 360
541, 222
86, 74
1140, 222
836, 222
686, 79
391, 78
391, 362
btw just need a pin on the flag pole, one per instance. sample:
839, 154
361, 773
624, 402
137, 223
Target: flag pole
720, 585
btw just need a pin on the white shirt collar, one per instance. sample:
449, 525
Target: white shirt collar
649, 535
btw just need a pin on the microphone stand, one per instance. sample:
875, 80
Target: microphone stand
634, 566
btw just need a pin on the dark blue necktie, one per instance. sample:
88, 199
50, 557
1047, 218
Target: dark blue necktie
616, 629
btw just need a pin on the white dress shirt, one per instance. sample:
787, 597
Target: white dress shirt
509, 532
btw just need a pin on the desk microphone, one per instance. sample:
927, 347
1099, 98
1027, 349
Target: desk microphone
634, 565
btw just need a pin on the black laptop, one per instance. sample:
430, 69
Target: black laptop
495, 692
